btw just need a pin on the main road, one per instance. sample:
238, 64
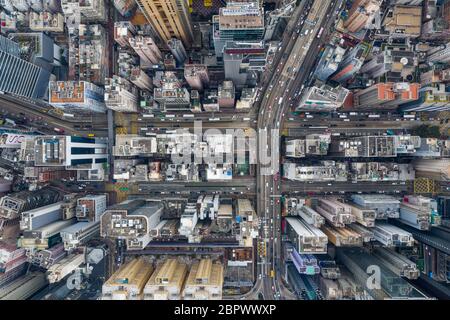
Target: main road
299, 56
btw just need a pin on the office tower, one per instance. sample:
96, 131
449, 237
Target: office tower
323, 98
329, 62
431, 98
196, 76
177, 49
351, 63
141, 217
238, 21
167, 282
123, 32
171, 96
169, 19
210, 101
91, 207
243, 61
121, 95
76, 96
361, 13
146, 49
69, 151
205, 281
386, 95
226, 94
19, 76
395, 63
128, 282
403, 21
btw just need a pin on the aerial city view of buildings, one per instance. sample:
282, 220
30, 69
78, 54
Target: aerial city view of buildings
224, 149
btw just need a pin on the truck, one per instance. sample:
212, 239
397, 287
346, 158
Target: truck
280, 100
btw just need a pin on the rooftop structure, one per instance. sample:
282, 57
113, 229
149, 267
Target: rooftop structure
386, 95
121, 95
128, 282
69, 151
204, 281
91, 207
323, 98
88, 53
394, 63
135, 145
324, 171
311, 145
167, 282
306, 238
12, 205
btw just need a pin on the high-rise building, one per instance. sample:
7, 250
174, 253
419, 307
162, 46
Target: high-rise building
76, 96
69, 151
132, 221
90, 10
386, 95
238, 21
403, 21
329, 62
243, 61
121, 95
431, 98
46, 21
88, 54
437, 169
146, 49
323, 98
169, 19
171, 96
91, 207
19, 76
204, 282
196, 76
125, 7
123, 32
439, 54
178, 50
12, 205
226, 94
351, 63
167, 282
394, 63
361, 12
128, 282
